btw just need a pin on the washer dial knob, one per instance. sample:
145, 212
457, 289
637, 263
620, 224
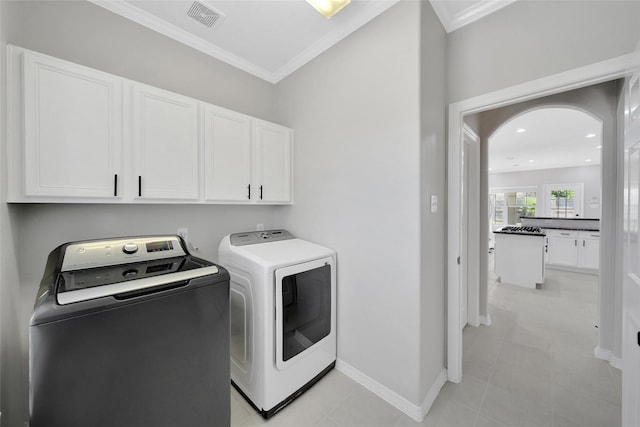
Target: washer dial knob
130, 248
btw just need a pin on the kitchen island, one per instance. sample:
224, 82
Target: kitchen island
519, 256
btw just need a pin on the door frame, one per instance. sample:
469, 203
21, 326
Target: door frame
573, 79
469, 267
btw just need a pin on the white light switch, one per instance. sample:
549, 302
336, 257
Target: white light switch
434, 203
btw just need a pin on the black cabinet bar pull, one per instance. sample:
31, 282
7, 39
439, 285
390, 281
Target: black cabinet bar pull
261, 192
115, 185
639, 338
249, 191
139, 186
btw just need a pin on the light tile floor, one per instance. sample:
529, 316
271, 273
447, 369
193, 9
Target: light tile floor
534, 366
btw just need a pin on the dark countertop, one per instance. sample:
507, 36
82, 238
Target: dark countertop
562, 219
572, 229
519, 233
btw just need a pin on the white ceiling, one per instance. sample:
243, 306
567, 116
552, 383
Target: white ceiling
272, 38
553, 138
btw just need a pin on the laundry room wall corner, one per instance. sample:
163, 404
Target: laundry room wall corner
13, 367
359, 158
433, 196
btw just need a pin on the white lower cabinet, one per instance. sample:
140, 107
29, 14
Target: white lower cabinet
589, 250
573, 249
83, 136
563, 247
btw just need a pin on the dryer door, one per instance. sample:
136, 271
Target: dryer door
303, 308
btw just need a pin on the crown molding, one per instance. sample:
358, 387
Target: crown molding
373, 9
129, 11
478, 10
150, 21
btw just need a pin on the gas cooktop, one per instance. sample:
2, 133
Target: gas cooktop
521, 230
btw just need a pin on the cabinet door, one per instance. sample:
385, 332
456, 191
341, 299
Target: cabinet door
273, 145
72, 129
227, 155
165, 144
589, 252
563, 251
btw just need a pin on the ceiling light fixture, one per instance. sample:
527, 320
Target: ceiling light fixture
531, 161
598, 146
521, 130
328, 8
588, 160
591, 135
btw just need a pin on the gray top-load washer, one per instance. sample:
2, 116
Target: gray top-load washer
132, 332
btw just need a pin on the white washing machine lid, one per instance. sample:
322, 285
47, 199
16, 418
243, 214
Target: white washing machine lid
275, 253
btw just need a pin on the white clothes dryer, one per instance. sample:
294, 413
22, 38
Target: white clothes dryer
283, 315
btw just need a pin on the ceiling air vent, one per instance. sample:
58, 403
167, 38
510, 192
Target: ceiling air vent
205, 14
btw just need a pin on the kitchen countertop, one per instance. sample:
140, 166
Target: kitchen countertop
560, 219
552, 223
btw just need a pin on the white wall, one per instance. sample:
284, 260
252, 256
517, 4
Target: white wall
528, 40
356, 114
587, 175
84, 33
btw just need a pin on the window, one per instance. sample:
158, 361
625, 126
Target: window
507, 207
563, 200
562, 203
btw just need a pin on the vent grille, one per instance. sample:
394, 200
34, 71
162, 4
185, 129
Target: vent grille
204, 14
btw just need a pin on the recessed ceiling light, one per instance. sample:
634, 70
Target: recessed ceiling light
591, 135
598, 146
531, 161
521, 130
490, 169
328, 8
588, 160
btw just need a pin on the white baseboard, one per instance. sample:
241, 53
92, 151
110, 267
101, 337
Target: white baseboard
410, 409
433, 394
607, 355
485, 320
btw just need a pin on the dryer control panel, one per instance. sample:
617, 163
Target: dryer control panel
255, 237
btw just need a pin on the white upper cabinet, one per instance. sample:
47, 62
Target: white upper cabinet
165, 141
228, 152
72, 130
77, 135
273, 148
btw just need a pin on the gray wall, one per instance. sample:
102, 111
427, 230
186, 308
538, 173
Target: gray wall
12, 384
355, 110
588, 175
89, 35
528, 40
432, 182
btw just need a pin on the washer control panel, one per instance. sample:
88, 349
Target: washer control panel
255, 237
100, 253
